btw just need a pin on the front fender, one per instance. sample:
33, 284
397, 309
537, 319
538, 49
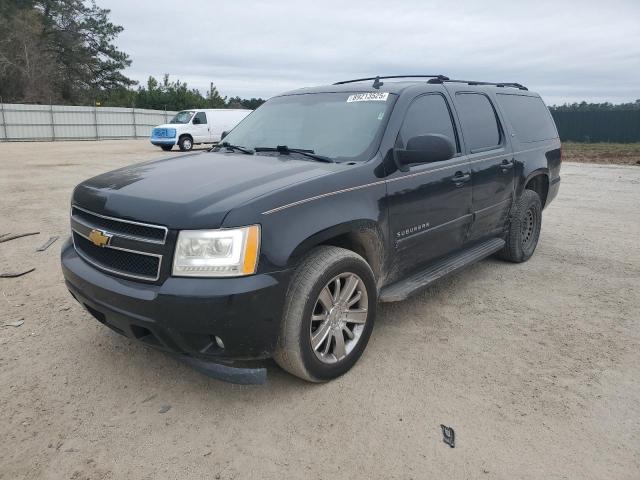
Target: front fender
289, 232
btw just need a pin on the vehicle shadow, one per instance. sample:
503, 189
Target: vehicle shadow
413, 314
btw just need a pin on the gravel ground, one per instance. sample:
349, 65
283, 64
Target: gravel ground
536, 366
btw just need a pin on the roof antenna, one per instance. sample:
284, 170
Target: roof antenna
377, 83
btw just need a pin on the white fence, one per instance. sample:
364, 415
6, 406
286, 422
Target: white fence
19, 122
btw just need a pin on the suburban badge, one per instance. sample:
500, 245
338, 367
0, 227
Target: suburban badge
411, 230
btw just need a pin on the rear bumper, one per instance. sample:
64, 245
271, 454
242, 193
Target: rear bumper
554, 187
183, 315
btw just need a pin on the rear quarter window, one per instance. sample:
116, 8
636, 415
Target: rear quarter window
529, 117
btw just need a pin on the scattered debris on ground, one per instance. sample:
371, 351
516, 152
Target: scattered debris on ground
448, 436
15, 274
7, 237
47, 244
9, 303
149, 398
17, 323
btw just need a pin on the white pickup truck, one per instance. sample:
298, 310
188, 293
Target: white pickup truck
190, 127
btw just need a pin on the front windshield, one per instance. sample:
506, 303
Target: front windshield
342, 126
182, 117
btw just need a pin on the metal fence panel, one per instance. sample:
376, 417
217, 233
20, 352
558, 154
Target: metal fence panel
621, 126
19, 122
68, 122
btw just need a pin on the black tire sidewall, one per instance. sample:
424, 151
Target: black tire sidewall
181, 144
313, 365
530, 201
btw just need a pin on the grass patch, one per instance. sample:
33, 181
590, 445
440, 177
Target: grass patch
618, 153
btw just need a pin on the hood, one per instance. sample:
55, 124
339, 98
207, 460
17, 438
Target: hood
191, 191
172, 125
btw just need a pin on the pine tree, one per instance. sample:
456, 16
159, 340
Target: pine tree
214, 99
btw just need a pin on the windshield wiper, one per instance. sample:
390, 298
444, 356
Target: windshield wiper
286, 150
228, 146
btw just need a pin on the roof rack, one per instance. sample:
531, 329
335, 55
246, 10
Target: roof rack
474, 82
432, 79
377, 83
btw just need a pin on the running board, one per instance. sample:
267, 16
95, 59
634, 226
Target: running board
399, 291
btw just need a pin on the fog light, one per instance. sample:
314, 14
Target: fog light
219, 342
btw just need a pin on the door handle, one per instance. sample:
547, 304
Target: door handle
460, 178
506, 165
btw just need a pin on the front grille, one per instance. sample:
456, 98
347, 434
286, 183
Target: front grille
163, 133
118, 261
121, 247
126, 228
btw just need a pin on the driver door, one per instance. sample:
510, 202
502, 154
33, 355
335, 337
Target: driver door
200, 128
429, 205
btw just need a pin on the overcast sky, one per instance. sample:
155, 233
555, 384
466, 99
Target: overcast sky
567, 50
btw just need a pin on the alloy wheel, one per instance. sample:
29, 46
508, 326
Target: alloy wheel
339, 317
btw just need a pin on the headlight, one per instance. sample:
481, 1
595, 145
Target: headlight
229, 252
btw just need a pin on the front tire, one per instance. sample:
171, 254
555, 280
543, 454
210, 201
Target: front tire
166, 148
328, 316
524, 228
185, 143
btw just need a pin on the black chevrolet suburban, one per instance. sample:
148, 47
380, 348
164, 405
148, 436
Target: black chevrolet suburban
280, 241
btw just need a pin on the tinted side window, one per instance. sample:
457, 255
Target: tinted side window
428, 114
200, 118
529, 117
479, 122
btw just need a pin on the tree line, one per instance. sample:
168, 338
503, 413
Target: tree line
595, 107
63, 52
172, 95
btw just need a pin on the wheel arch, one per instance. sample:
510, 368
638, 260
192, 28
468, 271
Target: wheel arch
360, 236
538, 181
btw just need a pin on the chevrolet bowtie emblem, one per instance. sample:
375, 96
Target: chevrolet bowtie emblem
99, 238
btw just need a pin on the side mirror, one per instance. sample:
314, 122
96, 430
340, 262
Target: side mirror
429, 148
223, 134
196, 121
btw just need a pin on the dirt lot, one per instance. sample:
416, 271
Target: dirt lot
619, 153
536, 366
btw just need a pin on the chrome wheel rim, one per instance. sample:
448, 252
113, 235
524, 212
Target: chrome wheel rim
338, 317
187, 144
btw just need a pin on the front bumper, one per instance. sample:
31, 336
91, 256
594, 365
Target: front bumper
159, 141
182, 315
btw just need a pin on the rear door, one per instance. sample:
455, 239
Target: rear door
490, 159
430, 205
200, 128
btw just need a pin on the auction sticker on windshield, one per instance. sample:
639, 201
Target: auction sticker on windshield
368, 97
